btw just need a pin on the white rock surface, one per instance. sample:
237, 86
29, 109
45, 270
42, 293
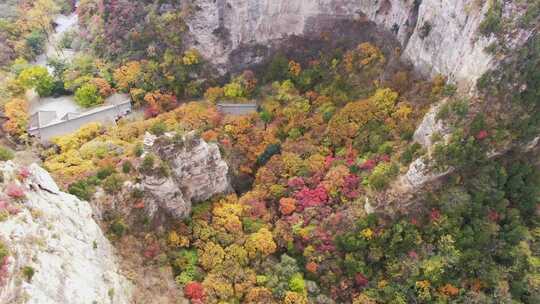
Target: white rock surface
197, 173
164, 193
430, 126
452, 47
42, 178
420, 173
55, 234
368, 208
148, 141
531, 145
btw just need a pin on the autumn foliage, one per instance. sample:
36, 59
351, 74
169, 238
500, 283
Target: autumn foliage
194, 291
17, 113
331, 137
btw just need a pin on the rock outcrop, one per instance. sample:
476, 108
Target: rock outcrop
196, 173
430, 126
437, 36
57, 252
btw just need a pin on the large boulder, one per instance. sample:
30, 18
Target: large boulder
57, 252
197, 172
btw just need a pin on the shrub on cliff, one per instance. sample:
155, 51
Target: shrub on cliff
6, 154
148, 163
28, 273
35, 42
118, 227
4, 263
66, 41
105, 172
381, 175
492, 22
159, 128
82, 190
127, 166
112, 184
4, 252
15, 191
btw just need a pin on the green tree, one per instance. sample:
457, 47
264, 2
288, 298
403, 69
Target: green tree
58, 65
297, 283
278, 69
266, 117
35, 41
234, 90
88, 96
37, 77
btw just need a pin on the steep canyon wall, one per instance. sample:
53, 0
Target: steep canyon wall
436, 36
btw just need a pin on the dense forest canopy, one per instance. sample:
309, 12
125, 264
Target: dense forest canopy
333, 132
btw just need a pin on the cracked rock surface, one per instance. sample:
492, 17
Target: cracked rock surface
197, 172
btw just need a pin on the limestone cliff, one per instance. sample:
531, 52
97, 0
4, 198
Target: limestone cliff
196, 173
437, 36
56, 251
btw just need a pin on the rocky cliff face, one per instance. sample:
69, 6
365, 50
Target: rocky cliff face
437, 36
53, 235
197, 172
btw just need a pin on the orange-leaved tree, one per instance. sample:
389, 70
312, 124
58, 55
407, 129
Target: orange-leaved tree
17, 113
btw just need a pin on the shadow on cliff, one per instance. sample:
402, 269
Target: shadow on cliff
325, 35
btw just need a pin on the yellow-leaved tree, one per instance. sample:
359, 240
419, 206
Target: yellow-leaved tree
260, 244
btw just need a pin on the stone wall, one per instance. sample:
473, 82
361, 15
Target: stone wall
105, 115
237, 108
